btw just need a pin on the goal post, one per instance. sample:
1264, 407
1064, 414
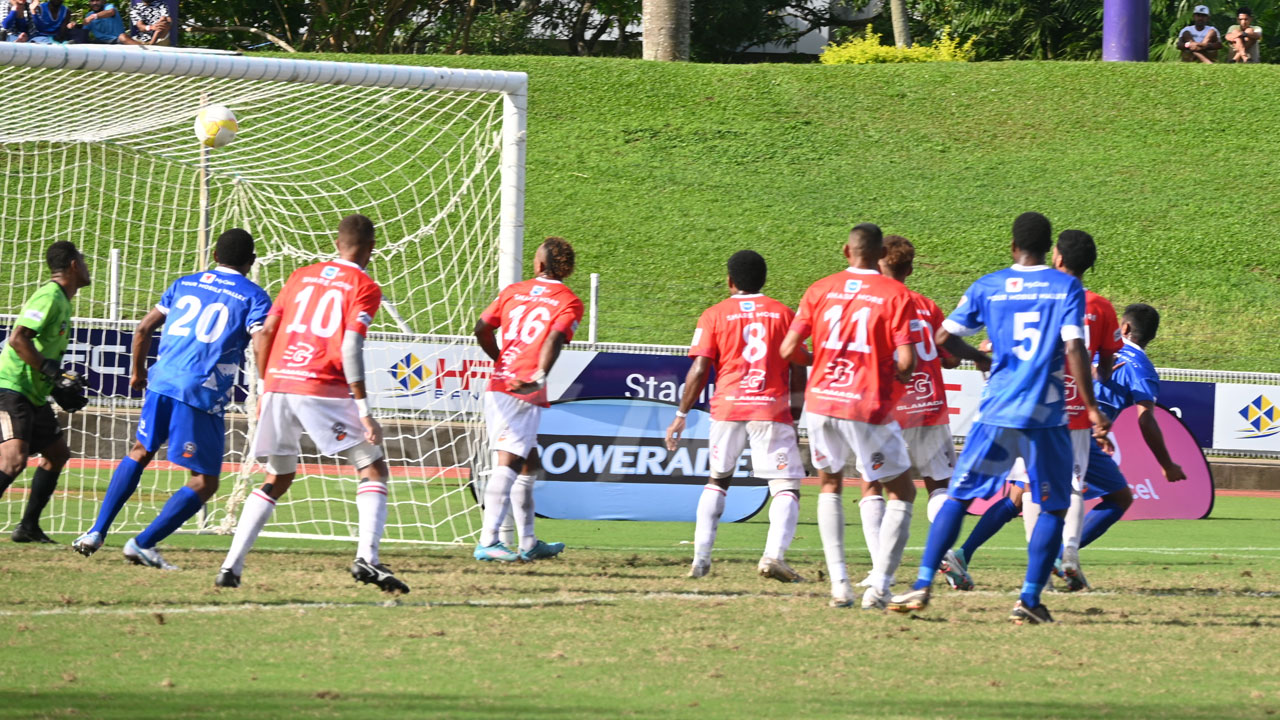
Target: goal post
106, 157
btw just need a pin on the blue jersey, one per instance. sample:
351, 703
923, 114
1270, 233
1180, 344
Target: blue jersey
1029, 313
210, 317
1133, 380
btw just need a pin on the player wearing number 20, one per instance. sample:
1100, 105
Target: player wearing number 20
208, 320
314, 382
534, 319
864, 327
758, 399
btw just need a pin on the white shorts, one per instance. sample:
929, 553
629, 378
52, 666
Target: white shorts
333, 424
775, 453
512, 423
834, 441
932, 451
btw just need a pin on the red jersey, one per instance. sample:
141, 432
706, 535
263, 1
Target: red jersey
317, 306
925, 402
1101, 335
858, 318
526, 313
742, 336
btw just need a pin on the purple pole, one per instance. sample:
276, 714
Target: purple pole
1126, 29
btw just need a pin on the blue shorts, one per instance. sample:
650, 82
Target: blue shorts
196, 438
989, 452
1103, 476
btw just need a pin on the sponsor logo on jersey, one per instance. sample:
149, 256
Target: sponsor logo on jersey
36, 315
330, 272
411, 374
852, 287
877, 460
1013, 285
747, 305
841, 373
921, 384
207, 278
753, 381
537, 290
1261, 417
339, 431
299, 354
188, 450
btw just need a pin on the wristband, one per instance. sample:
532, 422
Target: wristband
539, 377
362, 404
681, 414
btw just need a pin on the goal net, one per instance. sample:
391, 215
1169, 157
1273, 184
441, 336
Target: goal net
105, 156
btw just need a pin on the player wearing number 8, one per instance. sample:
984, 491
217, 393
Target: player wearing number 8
533, 319
208, 320
864, 327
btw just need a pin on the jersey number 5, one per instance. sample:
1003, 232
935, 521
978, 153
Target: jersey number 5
1023, 331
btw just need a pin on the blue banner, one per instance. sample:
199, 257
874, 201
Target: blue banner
1193, 403
605, 460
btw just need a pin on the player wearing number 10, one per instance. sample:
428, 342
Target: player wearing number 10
534, 320
208, 319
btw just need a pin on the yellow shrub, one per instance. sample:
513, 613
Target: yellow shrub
866, 49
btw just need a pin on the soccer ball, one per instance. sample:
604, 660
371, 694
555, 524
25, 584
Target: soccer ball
215, 126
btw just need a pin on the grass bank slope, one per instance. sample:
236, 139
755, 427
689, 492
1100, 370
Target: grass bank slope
657, 172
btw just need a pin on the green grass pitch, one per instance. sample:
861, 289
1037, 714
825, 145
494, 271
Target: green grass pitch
1184, 623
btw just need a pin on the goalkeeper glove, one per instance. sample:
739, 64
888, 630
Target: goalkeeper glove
68, 387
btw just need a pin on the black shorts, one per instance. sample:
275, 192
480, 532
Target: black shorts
20, 420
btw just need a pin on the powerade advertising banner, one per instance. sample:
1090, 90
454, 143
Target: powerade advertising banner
1154, 498
607, 460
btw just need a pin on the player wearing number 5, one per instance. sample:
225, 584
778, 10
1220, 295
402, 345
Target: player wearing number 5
534, 319
208, 321
864, 327
314, 382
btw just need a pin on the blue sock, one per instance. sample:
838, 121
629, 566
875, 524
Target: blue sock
123, 482
942, 535
1099, 520
1046, 540
181, 507
996, 517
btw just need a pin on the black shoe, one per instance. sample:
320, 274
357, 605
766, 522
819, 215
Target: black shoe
1023, 615
380, 575
30, 534
227, 579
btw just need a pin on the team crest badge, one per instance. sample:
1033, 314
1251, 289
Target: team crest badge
189, 450
782, 461
1044, 493
851, 287
330, 272
877, 460
339, 431
1013, 285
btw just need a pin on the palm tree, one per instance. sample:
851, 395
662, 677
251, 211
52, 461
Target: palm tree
901, 24
665, 26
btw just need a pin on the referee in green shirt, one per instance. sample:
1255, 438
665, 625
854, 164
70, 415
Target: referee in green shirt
30, 369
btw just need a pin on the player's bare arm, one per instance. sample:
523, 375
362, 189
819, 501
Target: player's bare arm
799, 378
487, 339
1155, 441
1106, 365
22, 343
961, 350
794, 351
547, 357
1078, 365
694, 381
905, 362
141, 346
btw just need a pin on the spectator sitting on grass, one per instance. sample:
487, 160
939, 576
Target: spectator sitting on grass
101, 25
1199, 42
17, 23
1244, 38
47, 21
151, 24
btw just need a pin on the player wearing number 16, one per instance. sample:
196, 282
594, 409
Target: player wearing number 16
865, 327
314, 382
208, 321
533, 319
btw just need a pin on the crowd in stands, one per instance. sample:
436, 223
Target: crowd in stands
99, 22
1200, 41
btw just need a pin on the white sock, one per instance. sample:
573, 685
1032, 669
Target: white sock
371, 507
507, 531
831, 529
1073, 524
522, 509
937, 499
710, 508
871, 509
783, 514
893, 540
1030, 513
497, 495
257, 510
